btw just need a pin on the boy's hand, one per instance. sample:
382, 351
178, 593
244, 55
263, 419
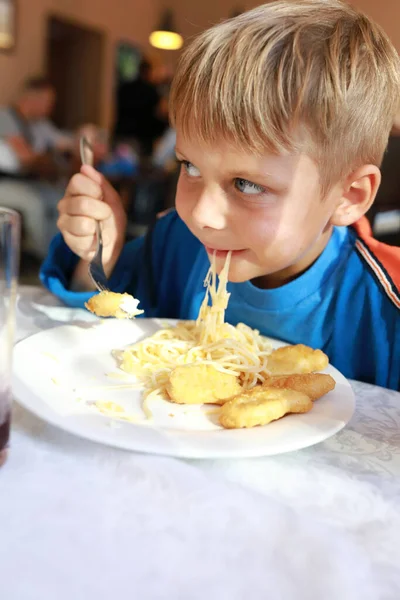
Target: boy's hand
90, 197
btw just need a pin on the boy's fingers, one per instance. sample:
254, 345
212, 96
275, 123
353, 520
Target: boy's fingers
77, 226
92, 174
84, 206
80, 245
109, 194
80, 185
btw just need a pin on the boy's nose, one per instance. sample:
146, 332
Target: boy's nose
211, 210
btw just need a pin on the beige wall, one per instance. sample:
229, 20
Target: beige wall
193, 16
385, 12
132, 20
120, 19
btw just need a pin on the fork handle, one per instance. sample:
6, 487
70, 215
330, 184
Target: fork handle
87, 158
99, 238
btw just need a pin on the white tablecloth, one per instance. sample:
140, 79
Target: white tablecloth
79, 521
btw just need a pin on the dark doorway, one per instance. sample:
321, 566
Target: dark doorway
75, 57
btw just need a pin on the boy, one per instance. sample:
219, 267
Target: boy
282, 117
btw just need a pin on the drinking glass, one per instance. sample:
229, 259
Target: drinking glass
9, 265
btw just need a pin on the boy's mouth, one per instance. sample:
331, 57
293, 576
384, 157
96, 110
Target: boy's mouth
219, 252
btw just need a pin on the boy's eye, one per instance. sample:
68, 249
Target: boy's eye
190, 169
248, 187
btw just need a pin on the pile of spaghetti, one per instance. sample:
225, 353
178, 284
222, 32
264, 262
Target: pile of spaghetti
239, 350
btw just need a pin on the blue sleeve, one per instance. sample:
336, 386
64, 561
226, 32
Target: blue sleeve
165, 267
394, 366
60, 263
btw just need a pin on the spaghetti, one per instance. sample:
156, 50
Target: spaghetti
238, 350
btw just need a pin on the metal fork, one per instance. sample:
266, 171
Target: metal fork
96, 270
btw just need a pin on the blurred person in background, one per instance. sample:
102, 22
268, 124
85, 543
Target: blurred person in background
141, 111
35, 159
29, 141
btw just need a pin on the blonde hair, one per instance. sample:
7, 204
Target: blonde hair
314, 76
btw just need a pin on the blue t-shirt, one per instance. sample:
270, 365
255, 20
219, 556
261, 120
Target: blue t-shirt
338, 305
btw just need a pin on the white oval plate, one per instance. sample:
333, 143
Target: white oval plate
59, 371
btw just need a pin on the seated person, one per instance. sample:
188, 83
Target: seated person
280, 139
34, 156
25, 128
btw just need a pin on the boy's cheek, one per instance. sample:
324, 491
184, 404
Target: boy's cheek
180, 208
184, 207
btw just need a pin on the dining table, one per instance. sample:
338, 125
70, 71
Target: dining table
82, 521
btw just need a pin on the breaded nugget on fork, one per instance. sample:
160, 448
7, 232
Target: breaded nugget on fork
314, 385
111, 304
289, 360
261, 405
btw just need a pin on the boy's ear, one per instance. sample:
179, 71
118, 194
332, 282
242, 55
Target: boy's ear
358, 194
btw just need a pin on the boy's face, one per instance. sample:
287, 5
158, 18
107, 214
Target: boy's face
268, 210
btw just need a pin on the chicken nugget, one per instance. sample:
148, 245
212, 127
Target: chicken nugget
296, 359
201, 384
111, 304
314, 385
261, 405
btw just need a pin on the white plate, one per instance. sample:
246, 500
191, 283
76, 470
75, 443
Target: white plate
56, 372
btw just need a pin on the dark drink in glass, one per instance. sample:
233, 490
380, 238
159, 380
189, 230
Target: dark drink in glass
4, 437
9, 263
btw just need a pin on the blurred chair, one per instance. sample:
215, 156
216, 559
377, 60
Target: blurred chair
384, 210
37, 204
388, 196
